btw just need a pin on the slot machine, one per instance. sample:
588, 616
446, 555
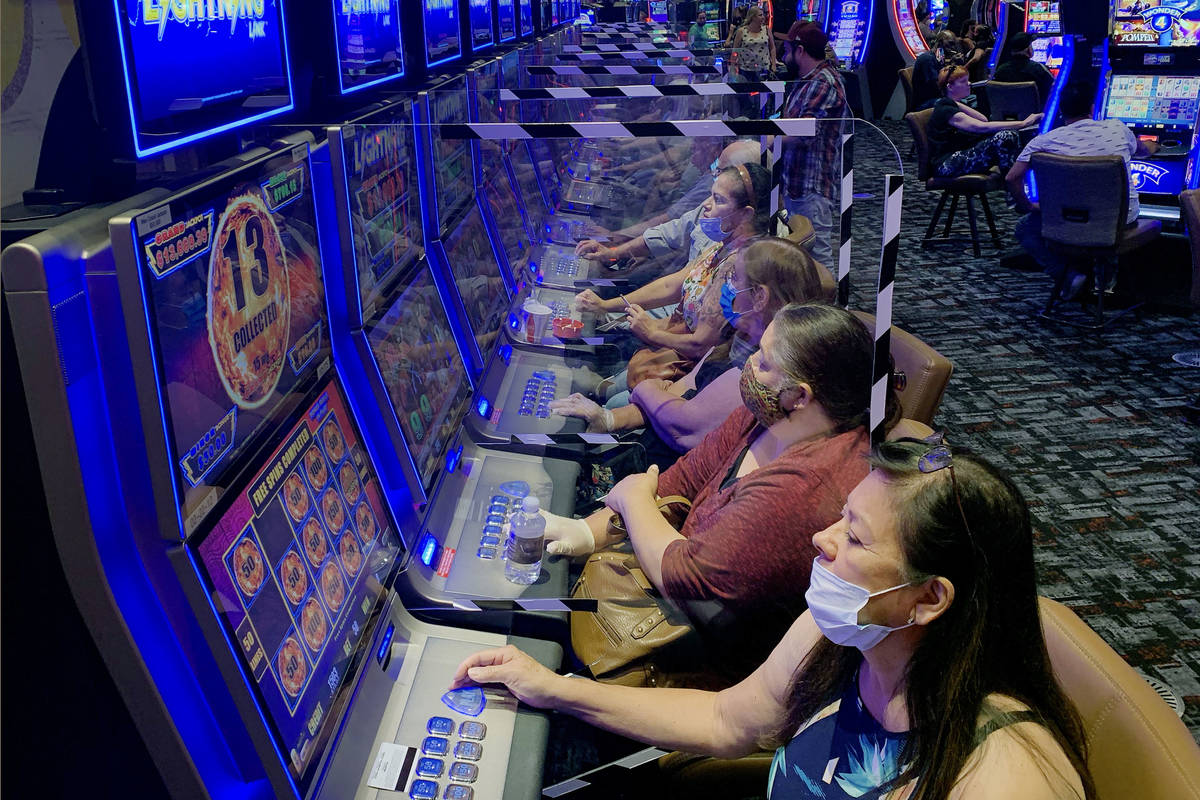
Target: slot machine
525, 17
369, 47
506, 19
216, 497
902, 19
480, 20
442, 36
1151, 82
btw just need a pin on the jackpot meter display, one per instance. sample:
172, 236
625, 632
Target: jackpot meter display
368, 42
229, 275
195, 69
441, 31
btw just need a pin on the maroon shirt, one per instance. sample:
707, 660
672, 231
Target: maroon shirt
750, 544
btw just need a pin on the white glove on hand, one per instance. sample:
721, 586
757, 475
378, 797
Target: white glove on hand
599, 419
566, 536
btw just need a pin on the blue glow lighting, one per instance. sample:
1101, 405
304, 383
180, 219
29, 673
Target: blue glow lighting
441, 32
483, 407
385, 642
453, 458
428, 549
199, 49
1060, 81
505, 353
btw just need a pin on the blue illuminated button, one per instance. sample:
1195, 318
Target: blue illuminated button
492, 530
430, 767
497, 508
472, 730
456, 792
489, 540
516, 489
423, 790
499, 499
463, 772
435, 746
468, 700
543, 375
486, 553
468, 751
440, 726
495, 519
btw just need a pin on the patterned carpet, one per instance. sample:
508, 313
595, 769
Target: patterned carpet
1093, 427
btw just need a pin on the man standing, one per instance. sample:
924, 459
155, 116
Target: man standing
812, 164
1021, 67
697, 36
1080, 135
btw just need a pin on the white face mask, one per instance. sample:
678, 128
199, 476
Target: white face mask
835, 602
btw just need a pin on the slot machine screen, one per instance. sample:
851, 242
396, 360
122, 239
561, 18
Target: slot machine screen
548, 167
385, 217
477, 276
1049, 51
526, 16
452, 168
481, 24
507, 215
231, 281
297, 563
441, 31
527, 181
1166, 101
1042, 18
422, 370
1156, 23
368, 42
848, 29
176, 59
510, 70
506, 14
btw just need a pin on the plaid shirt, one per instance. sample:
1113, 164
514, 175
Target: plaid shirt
811, 164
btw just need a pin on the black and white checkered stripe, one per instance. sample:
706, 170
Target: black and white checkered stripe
632, 55
628, 130
529, 604
611, 47
847, 205
608, 780
614, 37
621, 69
893, 199
683, 90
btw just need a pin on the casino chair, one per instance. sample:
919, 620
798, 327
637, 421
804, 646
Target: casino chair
1007, 101
1189, 206
975, 185
1084, 202
1137, 745
906, 84
921, 375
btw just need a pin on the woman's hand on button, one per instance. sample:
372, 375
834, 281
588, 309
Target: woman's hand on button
529, 681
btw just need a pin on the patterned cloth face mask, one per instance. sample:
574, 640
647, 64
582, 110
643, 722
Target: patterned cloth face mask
762, 401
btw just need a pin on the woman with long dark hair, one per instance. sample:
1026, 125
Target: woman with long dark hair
919, 670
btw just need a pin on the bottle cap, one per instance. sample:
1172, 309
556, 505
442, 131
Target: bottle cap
530, 504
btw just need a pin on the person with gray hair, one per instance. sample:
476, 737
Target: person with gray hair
675, 229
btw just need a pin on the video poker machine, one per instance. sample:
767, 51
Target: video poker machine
902, 19
1151, 82
220, 513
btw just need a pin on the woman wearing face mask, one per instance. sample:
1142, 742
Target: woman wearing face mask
735, 212
918, 672
774, 471
767, 275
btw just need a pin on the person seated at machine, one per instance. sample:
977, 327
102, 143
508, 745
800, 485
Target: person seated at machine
1021, 67
928, 66
1079, 135
672, 231
735, 213
767, 275
923, 23
962, 140
774, 472
920, 661
976, 46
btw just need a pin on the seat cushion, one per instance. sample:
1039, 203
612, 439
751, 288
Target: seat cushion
1139, 234
975, 183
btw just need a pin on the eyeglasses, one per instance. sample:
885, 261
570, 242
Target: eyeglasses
937, 458
736, 292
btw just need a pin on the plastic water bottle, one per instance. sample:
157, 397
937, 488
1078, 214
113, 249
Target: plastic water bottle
528, 535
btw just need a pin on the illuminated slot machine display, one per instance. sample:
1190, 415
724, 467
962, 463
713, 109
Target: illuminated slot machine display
659, 11
159, 42
369, 46
441, 31
1050, 49
481, 25
714, 13
214, 482
525, 17
506, 16
1152, 84
848, 23
902, 18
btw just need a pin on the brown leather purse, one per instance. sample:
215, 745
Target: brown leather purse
636, 637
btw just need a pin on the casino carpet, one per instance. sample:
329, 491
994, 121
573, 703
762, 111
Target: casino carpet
1094, 429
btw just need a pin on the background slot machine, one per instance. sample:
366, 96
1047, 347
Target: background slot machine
506, 19
442, 36
525, 17
239, 534
1152, 83
902, 18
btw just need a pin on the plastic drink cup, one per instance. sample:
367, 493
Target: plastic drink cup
537, 319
